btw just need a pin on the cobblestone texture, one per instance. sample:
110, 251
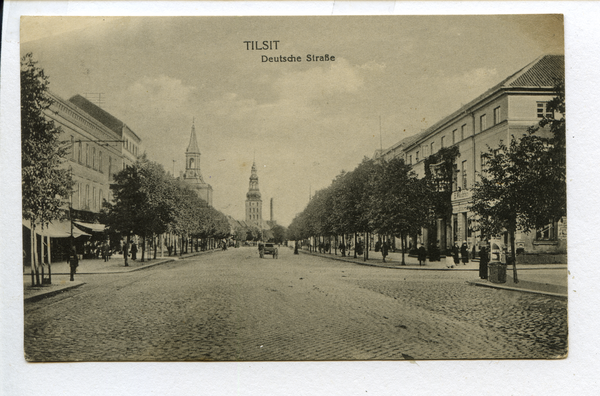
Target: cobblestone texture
236, 306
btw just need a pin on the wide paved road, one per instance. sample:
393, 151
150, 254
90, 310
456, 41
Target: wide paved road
235, 306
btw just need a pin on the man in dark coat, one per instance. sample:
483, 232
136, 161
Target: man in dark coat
484, 259
422, 254
464, 253
73, 263
456, 253
342, 248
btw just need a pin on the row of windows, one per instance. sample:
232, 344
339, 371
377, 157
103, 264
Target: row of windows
89, 199
132, 148
457, 136
254, 210
91, 158
253, 217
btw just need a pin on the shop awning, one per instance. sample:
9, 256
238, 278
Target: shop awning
56, 229
93, 227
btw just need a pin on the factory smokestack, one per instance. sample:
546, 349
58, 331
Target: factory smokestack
271, 209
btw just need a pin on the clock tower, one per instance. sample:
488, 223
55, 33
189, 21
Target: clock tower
253, 200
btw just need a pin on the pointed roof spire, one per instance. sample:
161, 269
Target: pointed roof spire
193, 146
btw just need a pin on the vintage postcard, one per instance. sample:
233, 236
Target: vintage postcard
296, 188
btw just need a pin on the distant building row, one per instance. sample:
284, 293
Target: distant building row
505, 110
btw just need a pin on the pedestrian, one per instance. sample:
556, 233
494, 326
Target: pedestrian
134, 250
464, 253
105, 251
484, 259
359, 248
456, 253
384, 250
342, 249
73, 263
422, 255
378, 245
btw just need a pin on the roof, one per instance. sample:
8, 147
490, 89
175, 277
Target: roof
541, 73
101, 115
193, 146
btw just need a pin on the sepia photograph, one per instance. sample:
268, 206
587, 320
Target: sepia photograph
298, 198
294, 188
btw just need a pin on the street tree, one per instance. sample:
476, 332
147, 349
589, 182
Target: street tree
45, 184
400, 203
142, 202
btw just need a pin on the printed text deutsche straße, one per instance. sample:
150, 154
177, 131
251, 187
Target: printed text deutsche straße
270, 45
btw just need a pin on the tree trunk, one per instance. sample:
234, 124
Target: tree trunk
336, 245
402, 246
49, 260
366, 248
143, 248
355, 240
126, 249
511, 235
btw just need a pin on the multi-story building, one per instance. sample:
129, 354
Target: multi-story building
94, 157
99, 147
508, 109
131, 144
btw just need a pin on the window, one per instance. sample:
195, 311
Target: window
442, 143
497, 115
101, 198
78, 195
87, 154
93, 157
72, 148
454, 178
100, 161
483, 161
464, 174
94, 197
547, 233
417, 157
79, 153
432, 148
542, 110
87, 197
110, 168
410, 159
463, 131
482, 122
454, 136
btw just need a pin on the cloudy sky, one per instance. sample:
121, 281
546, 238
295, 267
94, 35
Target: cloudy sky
304, 122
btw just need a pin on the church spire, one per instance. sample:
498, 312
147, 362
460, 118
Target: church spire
193, 146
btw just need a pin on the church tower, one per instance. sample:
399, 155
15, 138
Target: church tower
253, 200
192, 175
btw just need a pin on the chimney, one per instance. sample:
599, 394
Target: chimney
271, 209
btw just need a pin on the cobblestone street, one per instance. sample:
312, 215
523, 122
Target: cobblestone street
235, 306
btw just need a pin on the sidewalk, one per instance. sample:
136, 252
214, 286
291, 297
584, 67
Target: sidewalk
61, 273
547, 279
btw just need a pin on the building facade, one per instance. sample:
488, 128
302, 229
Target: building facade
95, 156
505, 111
131, 144
192, 175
